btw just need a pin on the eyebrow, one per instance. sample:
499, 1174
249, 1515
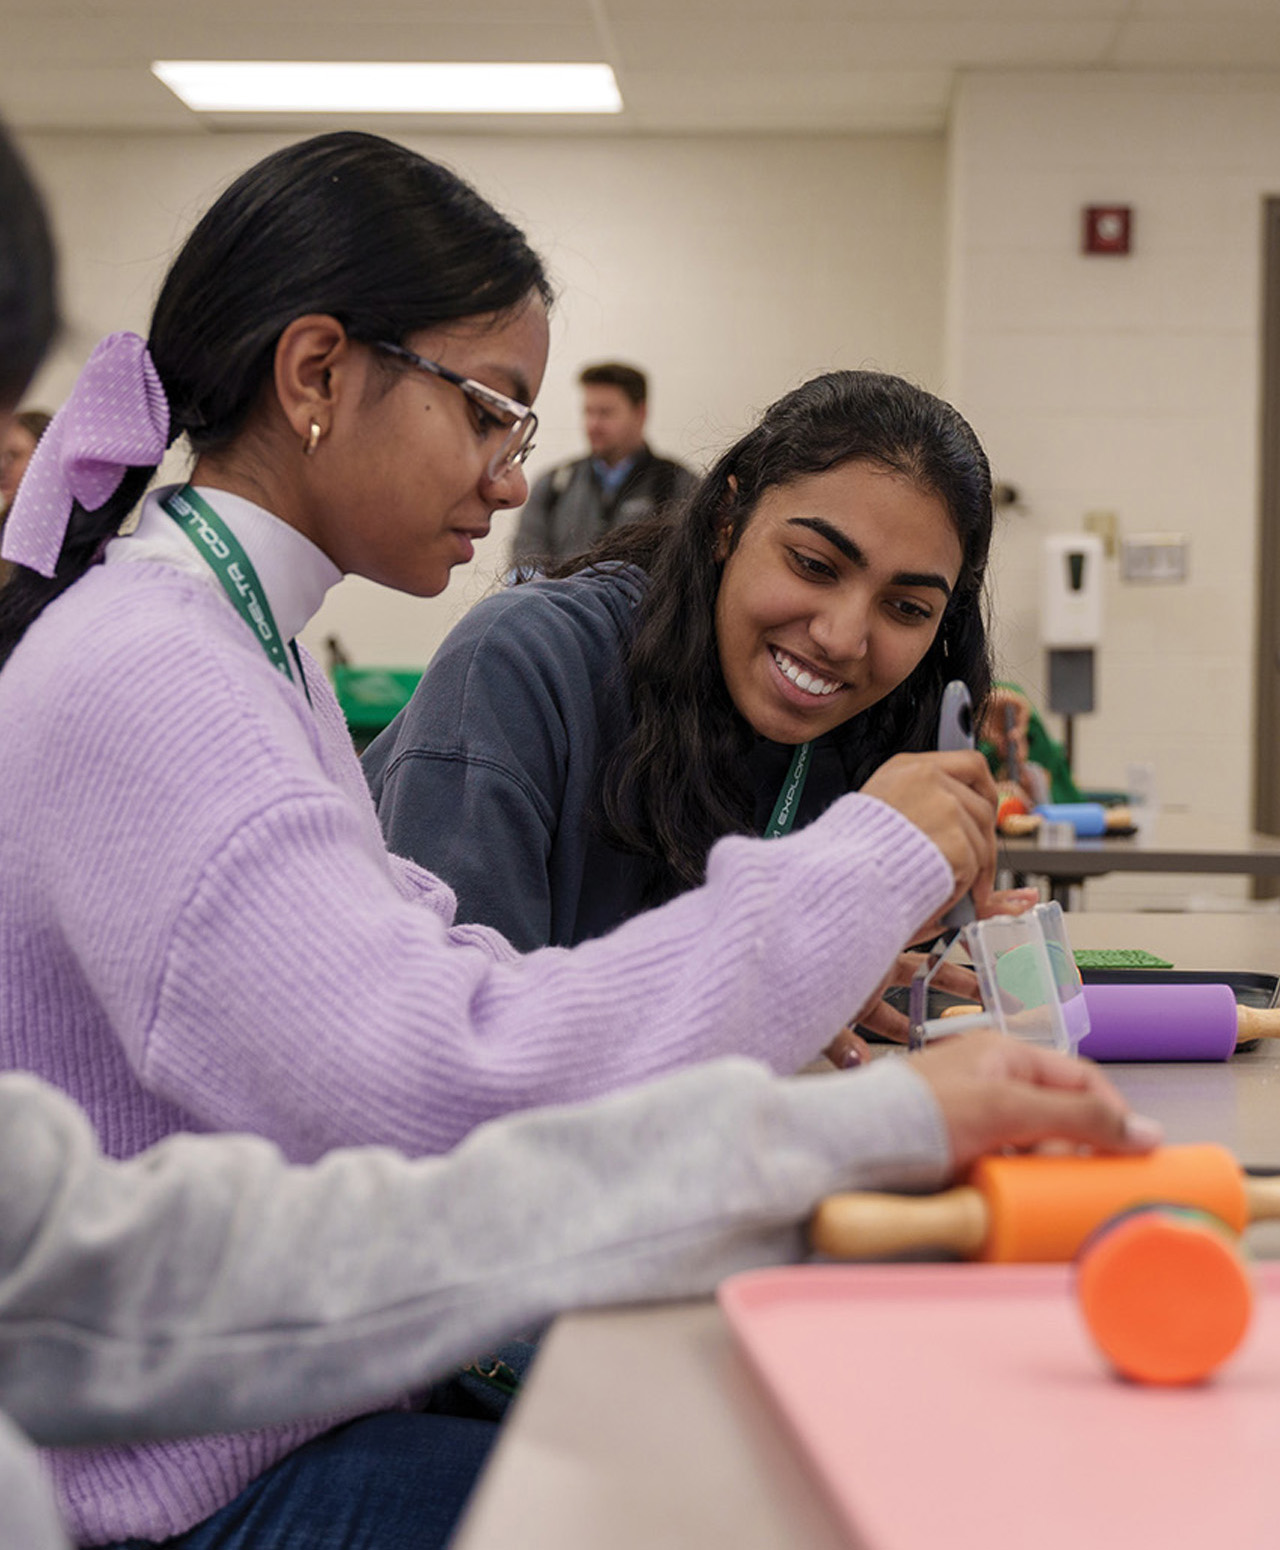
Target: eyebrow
852, 553
517, 384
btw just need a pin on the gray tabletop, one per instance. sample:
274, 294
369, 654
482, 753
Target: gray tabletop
1174, 842
641, 1428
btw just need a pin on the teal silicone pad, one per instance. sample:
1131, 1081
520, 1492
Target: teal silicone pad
1118, 958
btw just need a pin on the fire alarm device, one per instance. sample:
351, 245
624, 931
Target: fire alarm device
1107, 228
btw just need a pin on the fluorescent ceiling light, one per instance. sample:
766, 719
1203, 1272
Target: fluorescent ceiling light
222, 86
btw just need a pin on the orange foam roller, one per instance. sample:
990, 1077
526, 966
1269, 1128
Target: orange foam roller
1043, 1208
1165, 1293
1040, 1208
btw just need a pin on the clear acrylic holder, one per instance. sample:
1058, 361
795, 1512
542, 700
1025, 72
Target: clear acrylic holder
1031, 987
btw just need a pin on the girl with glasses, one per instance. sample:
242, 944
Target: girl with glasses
603, 728
202, 930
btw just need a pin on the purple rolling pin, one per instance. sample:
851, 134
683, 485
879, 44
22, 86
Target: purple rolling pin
1160, 1022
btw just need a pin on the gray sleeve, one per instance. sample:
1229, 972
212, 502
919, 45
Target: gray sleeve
487, 833
207, 1285
481, 829
685, 480
28, 1517
533, 538
468, 780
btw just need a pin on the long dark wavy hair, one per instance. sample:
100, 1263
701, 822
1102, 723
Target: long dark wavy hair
349, 225
680, 779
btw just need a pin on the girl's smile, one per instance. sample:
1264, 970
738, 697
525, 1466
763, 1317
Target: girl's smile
832, 596
804, 678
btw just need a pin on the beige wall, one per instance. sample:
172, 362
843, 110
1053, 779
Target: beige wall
732, 268
735, 267
1124, 384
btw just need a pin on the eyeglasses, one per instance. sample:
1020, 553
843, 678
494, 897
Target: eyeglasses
514, 421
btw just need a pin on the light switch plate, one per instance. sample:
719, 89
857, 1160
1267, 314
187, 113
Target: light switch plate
1155, 557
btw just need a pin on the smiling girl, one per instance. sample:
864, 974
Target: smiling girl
580, 742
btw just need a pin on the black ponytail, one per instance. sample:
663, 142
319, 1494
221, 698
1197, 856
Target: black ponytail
346, 224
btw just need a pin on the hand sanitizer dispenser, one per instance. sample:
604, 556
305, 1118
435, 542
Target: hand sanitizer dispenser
1071, 617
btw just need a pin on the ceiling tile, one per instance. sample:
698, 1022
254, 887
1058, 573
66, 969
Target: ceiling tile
787, 42
683, 65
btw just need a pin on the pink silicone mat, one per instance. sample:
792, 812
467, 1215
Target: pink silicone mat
952, 1407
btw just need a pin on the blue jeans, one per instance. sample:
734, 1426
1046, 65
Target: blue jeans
393, 1481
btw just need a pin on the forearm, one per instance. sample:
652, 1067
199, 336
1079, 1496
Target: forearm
372, 1027
206, 1285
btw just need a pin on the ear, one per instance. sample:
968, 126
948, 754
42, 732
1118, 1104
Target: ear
724, 529
313, 361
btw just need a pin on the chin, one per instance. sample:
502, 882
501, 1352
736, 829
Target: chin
431, 584
781, 729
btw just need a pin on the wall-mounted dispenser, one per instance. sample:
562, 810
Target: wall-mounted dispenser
1071, 620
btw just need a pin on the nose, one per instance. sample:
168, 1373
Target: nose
842, 629
510, 488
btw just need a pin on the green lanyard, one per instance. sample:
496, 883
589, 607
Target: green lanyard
221, 551
784, 812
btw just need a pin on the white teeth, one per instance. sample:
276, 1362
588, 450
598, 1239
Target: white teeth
803, 679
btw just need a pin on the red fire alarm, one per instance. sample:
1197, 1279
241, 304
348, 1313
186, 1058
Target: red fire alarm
1107, 228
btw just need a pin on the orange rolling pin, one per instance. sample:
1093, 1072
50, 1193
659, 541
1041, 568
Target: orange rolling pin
1040, 1209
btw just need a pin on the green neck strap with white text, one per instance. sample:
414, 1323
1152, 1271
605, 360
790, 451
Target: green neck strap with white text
784, 811
219, 547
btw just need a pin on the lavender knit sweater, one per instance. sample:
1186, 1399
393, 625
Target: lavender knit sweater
200, 929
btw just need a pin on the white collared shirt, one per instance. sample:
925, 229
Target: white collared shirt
294, 573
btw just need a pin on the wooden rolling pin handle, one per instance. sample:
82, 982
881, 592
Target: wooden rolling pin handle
867, 1226
1262, 1198
1119, 818
1257, 1022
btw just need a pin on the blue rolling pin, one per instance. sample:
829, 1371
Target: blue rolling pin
1088, 819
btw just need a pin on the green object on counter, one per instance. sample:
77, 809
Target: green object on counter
372, 697
1118, 958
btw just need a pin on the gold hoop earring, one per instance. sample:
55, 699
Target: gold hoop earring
313, 439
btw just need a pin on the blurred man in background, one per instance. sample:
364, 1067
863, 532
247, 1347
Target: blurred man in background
620, 480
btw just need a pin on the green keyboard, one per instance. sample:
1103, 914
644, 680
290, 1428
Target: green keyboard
1118, 958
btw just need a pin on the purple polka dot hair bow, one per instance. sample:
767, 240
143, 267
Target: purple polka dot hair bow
116, 418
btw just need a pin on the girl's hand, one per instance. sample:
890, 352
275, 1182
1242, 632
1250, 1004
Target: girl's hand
848, 1048
997, 1092
1010, 901
995, 727
952, 798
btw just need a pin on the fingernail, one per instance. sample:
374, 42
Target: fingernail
850, 1058
1142, 1131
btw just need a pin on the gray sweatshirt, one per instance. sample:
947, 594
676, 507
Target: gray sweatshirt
206, 1284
